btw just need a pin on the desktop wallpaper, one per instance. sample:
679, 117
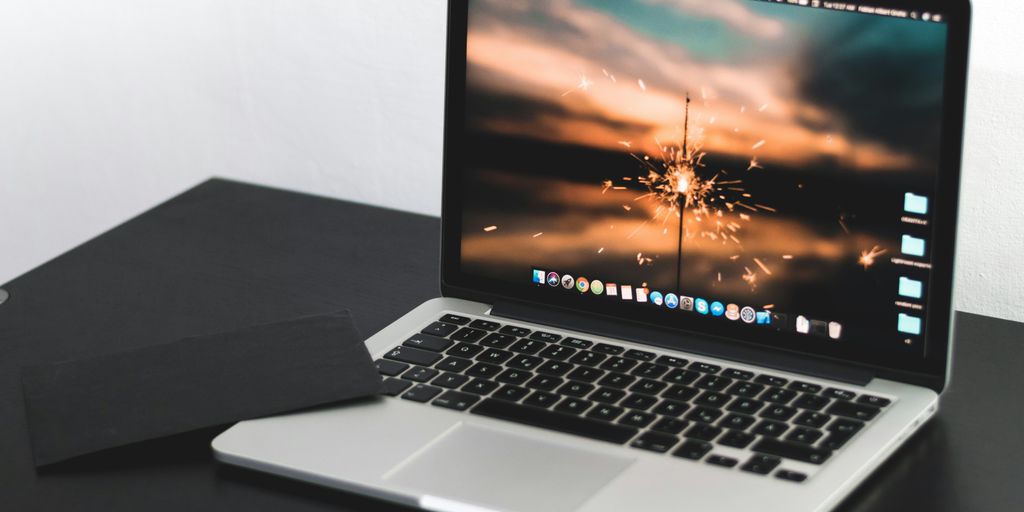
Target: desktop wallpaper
751, 152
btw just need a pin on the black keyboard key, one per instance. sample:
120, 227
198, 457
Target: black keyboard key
836, 440
812, 419
638, 419
573, 406
839, 394
523, 362
671, 408
649, 370
421, 393
680, 393
705, 367
746, 389
450, 380
534, 416
515, 331
484, 370
672, 361
639, 402
761, 464
588, 358
544, 382
575, 389
745, 406
468, 335
713, 382
655, 442
736, 439
778, 412
497, 340
681, 376
733, 373
704, 415
778, 395
413, 356
525, 346
585, 374
845, 426
428, 342
554, 368
542, 399
480, 386
648, 386
712, 399
494, 356
456, 400
390, 368
670, 425
513, 376
546, 337
557, 352
420, 374
641, 355
608, 395
693, 449
465, 350
455, 319
876, 401
794, 451
811, 402
703, 432
611, 350
511, 393
769, 428
605, 412
616, 380
770, 380
722, 460
486, 325
618, 364
737, 421
393, 386
804, 435
577, 343
439, 329
454, 364
851, 410
792, 476
804, 387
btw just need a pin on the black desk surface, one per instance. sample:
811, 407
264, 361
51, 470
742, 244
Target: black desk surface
225, 255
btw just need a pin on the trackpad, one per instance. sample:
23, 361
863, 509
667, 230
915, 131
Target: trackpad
504, 471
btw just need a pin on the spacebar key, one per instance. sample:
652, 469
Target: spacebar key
555, 421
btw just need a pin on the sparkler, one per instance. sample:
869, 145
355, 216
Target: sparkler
867, 258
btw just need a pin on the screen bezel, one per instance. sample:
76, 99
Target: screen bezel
930, 370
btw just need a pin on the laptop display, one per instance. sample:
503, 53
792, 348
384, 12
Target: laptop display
763, 169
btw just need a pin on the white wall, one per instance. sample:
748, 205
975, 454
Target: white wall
110, 106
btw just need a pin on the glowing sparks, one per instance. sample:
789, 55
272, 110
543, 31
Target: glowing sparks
535, 235
583, 85
599, 251
643, 86
787, 256
490, 228
762, 108
626, 143
763, 266
867, 258
758, 144
754, 164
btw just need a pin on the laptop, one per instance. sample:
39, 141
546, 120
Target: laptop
694, 254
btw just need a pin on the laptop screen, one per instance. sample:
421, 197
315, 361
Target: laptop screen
765, 169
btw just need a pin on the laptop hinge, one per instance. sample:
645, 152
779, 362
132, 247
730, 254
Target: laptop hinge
686, 342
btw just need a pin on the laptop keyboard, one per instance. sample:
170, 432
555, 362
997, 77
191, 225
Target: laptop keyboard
602, 391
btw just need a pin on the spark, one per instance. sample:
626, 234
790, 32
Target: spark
750, 277
763, 266
626, 143
843, 225
762, 108
754, 164
867, 258
538, 234
768, 306
643, 86
787, 256
599, 251
758, 144
583, 85
490, 228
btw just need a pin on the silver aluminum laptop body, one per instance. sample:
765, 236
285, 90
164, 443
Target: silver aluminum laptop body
418, 454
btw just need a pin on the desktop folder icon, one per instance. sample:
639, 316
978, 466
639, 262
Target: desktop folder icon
914, 203
910, 287
908, 324
912, 245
